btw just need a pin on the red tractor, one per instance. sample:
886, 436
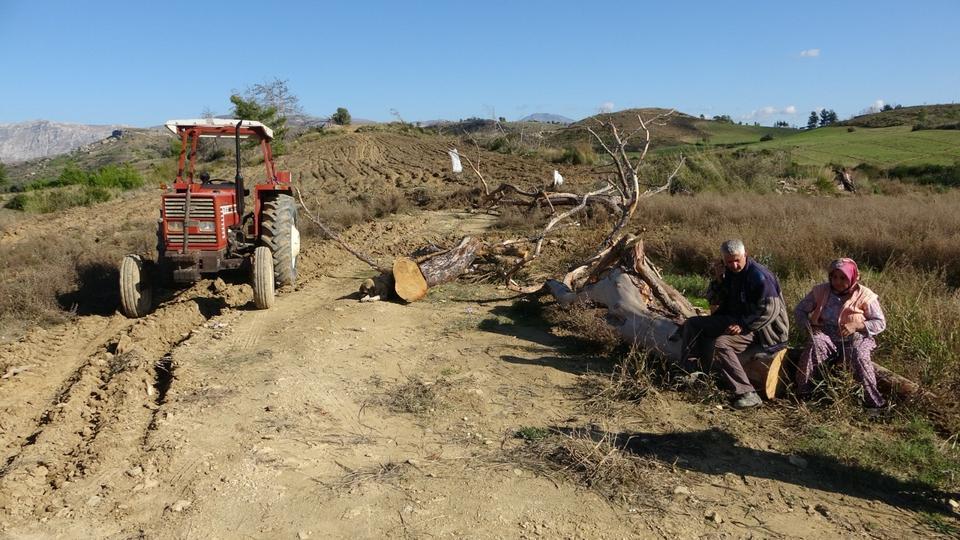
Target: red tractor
203, 228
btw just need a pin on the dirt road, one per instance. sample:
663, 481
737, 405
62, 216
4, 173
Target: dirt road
329, 418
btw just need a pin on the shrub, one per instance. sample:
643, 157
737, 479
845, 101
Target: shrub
766, 137
341, 117
578, 154
945, 175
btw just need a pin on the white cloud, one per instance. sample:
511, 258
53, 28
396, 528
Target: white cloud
769, 111
606, 107
810, 53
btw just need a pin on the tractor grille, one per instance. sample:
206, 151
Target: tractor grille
176, 238
200, 207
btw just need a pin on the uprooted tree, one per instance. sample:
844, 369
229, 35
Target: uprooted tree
644, 309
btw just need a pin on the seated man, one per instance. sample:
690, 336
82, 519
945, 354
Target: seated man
749, 310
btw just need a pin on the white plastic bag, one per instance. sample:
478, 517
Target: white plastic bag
455, 160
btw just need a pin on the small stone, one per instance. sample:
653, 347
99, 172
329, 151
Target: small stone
94, 500
180, 505
40, 471
303, 535
518, 472
714, 516
135, 472
823, 509
798, 461
681, 490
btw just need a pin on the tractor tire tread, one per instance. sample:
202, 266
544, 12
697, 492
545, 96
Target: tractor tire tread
278, 218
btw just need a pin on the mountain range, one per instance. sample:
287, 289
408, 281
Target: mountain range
40, 138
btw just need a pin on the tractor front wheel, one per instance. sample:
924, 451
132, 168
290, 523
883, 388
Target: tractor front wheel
136, 297
263, 278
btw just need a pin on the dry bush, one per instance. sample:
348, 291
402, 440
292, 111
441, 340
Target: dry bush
43, 280
416, 396
597, 459
360, 209
799, 235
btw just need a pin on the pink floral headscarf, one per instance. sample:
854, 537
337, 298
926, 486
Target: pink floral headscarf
849, 269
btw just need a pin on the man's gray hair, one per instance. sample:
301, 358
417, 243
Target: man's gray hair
733, 247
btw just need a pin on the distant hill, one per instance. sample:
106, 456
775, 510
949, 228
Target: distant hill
677, 129
930, 116
141, 148
43, 138
547, 118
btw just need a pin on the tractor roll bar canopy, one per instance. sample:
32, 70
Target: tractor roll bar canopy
220, 127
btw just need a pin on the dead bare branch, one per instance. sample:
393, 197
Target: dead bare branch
329, 233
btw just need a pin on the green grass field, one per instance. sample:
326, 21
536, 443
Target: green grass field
883, 147
723, 133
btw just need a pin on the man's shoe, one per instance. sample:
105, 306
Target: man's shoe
746, 401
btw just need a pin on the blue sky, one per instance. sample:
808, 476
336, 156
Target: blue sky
140, 63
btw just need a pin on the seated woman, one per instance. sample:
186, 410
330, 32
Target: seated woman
841, 317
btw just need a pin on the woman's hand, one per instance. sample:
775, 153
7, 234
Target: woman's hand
851, 328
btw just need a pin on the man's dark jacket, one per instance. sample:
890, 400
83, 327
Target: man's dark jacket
752, 299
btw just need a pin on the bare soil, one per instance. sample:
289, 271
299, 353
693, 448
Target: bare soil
325, 417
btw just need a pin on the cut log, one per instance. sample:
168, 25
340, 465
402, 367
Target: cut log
408, 280
449, 265
767, 372
412, 280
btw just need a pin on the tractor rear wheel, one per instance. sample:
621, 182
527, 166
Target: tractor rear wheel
263, 278
279, 231
136, 297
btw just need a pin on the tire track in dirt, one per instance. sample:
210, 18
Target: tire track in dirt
106, 403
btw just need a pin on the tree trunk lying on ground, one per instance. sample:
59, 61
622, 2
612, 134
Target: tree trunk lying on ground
633, 292
411, 277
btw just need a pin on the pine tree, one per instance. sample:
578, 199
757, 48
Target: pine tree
812, 121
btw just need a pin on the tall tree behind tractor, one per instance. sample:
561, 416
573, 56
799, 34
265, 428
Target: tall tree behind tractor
204, 230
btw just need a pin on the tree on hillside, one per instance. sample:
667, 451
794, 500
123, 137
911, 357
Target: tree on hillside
341, 117
269, 102
723, 118
251, 109
277, 94
781, 124
827, 117
812, 121
887, 107
3, 175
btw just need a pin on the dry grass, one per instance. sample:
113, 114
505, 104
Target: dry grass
597, 459
416, 396
46, 280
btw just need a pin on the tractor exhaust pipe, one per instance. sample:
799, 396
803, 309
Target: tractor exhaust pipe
238, 179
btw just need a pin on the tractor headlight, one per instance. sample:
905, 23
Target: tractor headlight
175, 226
206, 226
